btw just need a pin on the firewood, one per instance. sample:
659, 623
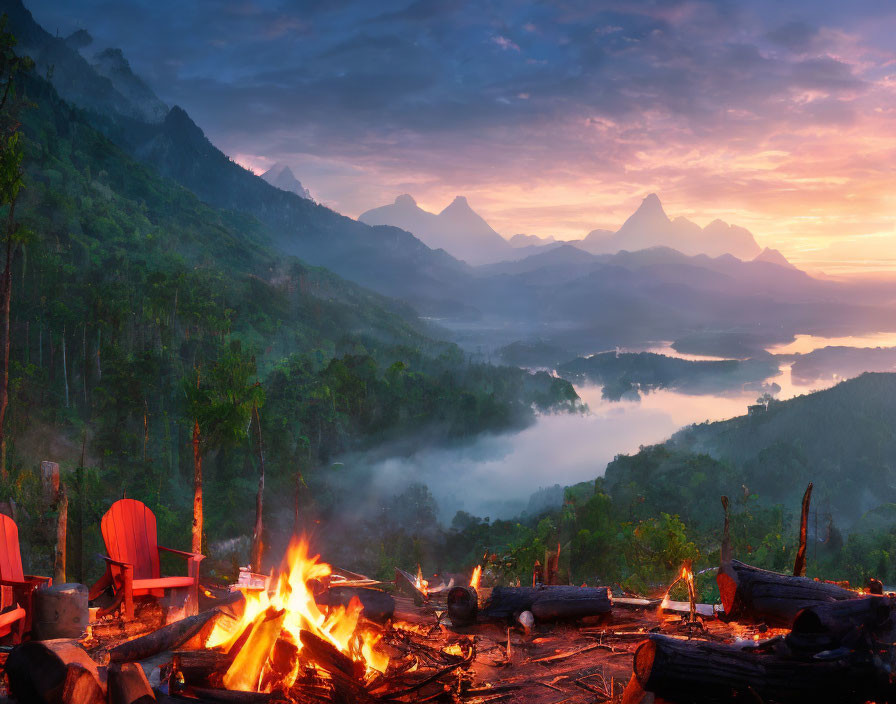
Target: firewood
128, 684
378, 606
165, 638
546, 602
37, 670
245, 671
200, 667
283, 661
81, 686
327, 657
751, 594
702, 672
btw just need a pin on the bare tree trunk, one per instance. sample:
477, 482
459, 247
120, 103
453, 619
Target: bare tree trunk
145, 427
799, 565
197, 491
5, 300
64, 367
99, 341
257, 545
84, 365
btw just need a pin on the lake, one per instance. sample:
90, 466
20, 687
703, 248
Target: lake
499, 473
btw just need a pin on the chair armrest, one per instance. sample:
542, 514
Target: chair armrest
38, 580
189, 555
15, 583
117, 563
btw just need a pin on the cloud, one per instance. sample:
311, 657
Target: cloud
522, 104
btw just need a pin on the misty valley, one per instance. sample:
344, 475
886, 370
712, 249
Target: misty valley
388, 430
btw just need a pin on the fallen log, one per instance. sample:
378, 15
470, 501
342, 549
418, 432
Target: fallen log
37, 670
751, 594
546, 602
702, 672
128, 685
865, 622
462, 605
378, 606
166, 638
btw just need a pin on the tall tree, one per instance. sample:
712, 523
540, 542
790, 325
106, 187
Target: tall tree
219, 408
11, 172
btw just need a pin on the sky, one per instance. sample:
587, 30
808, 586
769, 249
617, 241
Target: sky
553, 118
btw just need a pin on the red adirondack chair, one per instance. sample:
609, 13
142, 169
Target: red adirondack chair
132, 566
16, 615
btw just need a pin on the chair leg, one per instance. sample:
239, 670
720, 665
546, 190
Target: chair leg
191, 606
128, 589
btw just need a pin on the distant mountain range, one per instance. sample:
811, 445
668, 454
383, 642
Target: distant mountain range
281, 176
464, 234
553, 291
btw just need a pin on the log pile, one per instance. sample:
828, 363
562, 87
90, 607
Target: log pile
839, 648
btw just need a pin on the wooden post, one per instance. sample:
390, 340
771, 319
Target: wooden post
61, 535
55, 499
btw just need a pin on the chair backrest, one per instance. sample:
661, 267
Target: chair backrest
10, 555
129, 531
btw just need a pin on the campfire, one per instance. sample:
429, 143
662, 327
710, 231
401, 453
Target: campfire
285, 621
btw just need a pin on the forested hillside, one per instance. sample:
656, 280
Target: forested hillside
140, 313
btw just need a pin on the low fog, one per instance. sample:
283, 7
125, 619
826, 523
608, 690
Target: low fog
496, 475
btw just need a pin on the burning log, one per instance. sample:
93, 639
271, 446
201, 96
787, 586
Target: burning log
327, 657
701, 671
753, 594
378, 606
545, 602
128, 685
37, 671
245, 671
166, 638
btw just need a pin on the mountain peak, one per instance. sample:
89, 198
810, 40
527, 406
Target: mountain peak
651, 205
460, 200
406, 201
773, 256
282, 177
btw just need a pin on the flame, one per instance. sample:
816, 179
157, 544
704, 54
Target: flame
419, 582
477, 575
284, 613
